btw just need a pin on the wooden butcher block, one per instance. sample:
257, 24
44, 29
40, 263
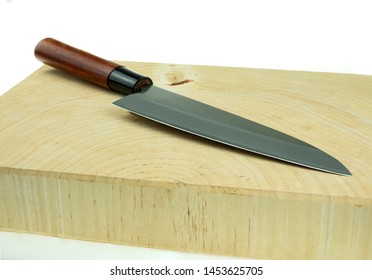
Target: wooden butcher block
74, 165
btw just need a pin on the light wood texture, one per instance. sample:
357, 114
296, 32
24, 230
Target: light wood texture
74, 165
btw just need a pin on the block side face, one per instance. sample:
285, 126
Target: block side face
186, 220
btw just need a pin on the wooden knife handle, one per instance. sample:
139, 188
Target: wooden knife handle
87, 66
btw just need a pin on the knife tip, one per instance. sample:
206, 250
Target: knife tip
342, 170
347, 173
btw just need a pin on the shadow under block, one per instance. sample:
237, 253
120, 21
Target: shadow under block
74, 165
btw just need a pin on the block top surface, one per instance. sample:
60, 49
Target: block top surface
53, 123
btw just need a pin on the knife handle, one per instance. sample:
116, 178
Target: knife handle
89, 67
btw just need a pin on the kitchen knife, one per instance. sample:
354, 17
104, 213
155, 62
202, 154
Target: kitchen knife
147, 100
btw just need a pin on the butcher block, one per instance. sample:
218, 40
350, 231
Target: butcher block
75, 166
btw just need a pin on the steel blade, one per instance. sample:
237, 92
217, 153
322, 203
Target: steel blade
209, 122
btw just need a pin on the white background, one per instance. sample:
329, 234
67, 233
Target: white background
331, 36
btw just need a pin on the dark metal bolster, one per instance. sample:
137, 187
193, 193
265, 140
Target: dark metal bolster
123, 80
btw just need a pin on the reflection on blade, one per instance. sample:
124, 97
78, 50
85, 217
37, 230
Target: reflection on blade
206, 121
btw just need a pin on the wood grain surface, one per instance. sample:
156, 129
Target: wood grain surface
74, 165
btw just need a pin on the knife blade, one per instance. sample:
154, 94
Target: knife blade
149, 101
